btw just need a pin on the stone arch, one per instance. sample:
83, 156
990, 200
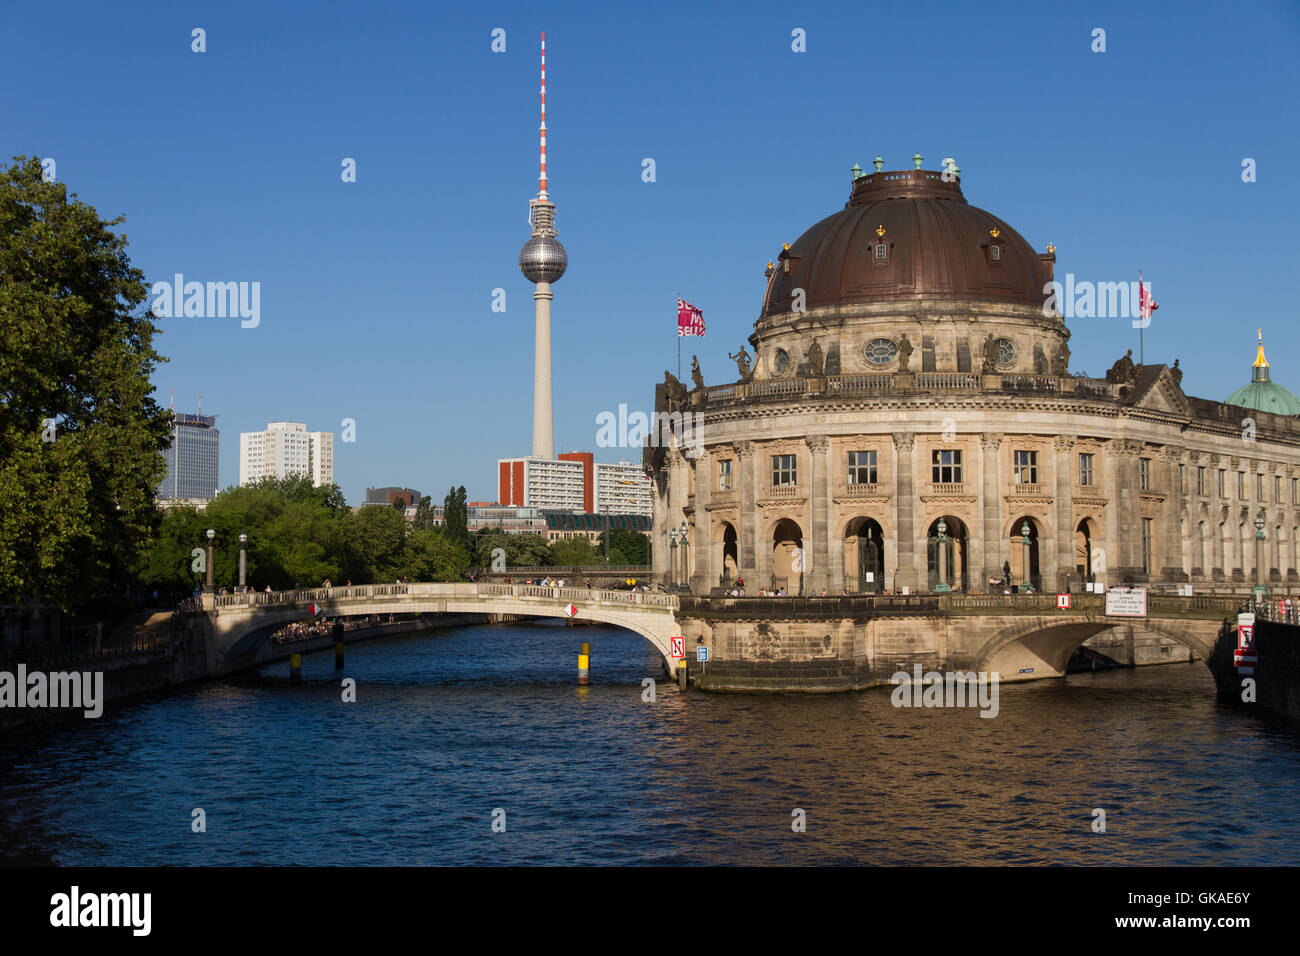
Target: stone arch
1087, 535
1029, 650
726, 544
1013, 543
788, 559
864, 555
956, 559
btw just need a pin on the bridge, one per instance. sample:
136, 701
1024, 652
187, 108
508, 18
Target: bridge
243, 622
1021, 636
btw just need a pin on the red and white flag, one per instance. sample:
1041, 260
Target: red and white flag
1146, 304
690, 320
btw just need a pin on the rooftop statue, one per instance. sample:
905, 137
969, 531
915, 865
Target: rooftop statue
696, 375
742, 363
904, 353
816, 360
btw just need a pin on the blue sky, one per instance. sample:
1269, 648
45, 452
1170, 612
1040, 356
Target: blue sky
376, 295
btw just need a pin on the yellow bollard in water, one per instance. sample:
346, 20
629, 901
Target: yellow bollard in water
681, 674
584, 663
295, 668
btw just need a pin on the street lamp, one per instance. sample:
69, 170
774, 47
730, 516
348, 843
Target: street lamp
1260, 589
942, 557
211, 581
1025, 586
683, 579
243, 552
672, 557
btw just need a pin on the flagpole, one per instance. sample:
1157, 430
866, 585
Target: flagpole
1141, 319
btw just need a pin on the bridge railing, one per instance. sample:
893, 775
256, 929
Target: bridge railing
328, 596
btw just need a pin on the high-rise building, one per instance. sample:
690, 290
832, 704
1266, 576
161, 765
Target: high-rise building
285, 449
542, 483
622, 489
191, 460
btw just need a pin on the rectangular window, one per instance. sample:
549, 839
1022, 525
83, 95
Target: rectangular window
995, 253
1146, 546
862, 467
1223, 473
1182, 477
945, 466
1241, 486
1295, 491
1259, 487
1144, 474
783, 472
1277, 488
1085, 469
882, 251
724, 475
1200, 479
1026, 467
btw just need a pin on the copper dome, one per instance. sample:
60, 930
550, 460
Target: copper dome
937, 244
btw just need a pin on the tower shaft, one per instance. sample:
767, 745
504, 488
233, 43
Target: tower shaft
543, 438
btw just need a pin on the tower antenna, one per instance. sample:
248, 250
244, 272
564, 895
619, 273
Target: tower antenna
541, 183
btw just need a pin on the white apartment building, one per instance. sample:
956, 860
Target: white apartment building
622, 489
284, 449
542, 483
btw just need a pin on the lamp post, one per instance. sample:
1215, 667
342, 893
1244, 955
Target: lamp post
1260, 589
243, 553
684, 579
942, 557
211, 581
1025, 585
672, 558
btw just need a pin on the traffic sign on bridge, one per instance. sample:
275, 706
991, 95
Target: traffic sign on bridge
677, 648
571, 610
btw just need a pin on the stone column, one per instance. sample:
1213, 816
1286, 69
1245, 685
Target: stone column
1217, 570
747, 494
704, 576
991, 505
1168, 535
1239, 562
817, 544
905, 517
1124, 530
1063, 518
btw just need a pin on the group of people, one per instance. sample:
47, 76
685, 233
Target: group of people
303, 630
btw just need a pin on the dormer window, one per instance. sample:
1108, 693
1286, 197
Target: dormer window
882, 251
994, 246
881, 247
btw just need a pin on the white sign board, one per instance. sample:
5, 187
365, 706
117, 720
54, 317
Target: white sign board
871, 577
1126, 602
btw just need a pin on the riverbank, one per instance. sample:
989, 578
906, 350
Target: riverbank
182, 660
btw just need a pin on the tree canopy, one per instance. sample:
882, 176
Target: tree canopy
80, 436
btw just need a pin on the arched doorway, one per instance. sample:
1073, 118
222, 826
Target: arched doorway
864, 556
787, 557
1084, 565
1016, 549
730, 555
956, 565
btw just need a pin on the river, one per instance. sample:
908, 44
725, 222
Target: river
451, 726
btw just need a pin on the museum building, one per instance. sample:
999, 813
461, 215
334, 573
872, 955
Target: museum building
909, 421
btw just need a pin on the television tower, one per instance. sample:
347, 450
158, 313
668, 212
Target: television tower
542, 261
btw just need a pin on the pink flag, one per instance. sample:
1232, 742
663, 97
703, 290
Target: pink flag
690, 320
1146, 304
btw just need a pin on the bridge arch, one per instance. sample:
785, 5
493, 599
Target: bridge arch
242, 623
1037, 647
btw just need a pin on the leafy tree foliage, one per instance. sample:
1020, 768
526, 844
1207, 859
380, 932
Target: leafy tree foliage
78, 511
455, 518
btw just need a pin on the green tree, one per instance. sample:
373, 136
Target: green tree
576, 552
431, 555
423, 514
75, 352
455, 518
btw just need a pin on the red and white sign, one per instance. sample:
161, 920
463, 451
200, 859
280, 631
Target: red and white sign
571, 610
1245, 652
314, 609
677, 648
1063, 602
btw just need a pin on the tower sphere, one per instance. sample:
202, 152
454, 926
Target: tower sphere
543, 259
